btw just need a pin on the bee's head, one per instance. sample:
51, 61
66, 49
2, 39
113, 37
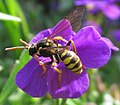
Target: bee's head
32, 50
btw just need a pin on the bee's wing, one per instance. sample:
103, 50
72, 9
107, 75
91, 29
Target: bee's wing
74, 17
57, 48
60, 28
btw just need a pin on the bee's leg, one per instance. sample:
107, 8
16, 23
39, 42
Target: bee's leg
73, 45
54, 64
59, 73
41, 64
60, 38
68, 42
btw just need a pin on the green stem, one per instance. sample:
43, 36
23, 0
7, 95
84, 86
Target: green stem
63, 101
56, 102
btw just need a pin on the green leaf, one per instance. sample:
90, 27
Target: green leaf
73, 102
4, 16
10, 85
14, 30
15, 9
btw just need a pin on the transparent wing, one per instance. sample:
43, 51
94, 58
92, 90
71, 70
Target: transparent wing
61, 28
74, 17
56, 49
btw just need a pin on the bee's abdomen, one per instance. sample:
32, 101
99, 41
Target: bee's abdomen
72, 61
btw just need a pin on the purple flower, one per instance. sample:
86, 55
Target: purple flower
94, 24
116, 35
93, 52
108, 7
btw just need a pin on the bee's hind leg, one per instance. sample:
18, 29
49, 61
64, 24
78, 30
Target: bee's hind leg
54, 64
67, 42
60, 38
73, 45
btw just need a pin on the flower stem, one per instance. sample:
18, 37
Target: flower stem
56, 102
63, 101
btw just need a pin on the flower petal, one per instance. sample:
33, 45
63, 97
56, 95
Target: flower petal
40, 36
91, 48
94, 24
71, 85
116, 35
30, 81
110, 44
111, 10
87, 2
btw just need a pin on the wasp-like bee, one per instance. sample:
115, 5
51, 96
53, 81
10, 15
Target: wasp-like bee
65, 55
49, 47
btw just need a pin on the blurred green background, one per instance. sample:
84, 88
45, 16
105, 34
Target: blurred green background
32, 16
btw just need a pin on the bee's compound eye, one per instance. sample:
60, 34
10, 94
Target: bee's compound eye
47, 44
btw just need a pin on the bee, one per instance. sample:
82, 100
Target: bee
65, 55
49, 47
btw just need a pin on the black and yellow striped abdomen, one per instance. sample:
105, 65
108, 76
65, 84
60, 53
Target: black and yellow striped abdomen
71, 61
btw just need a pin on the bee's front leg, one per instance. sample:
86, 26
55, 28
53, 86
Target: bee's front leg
41, 64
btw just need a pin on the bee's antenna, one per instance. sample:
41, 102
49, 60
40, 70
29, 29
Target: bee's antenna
25, 43
19, 47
